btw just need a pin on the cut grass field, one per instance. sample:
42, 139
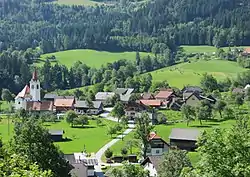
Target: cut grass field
91, 58
190, 73
91, 136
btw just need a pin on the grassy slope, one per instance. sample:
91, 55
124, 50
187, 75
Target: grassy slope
77, 2
203, 48
92, 137
91, 58
191, 73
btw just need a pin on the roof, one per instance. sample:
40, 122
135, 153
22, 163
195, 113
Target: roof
84, 104
79, 170
153, 135
238, 90
147, 96
64, 97
123, 91
56, 132
192, 89
39, 105
201, 97
24, 93
246, 50
155, 160
50, 96
184, 134
104, 95
164, 94
34, 76
64, 102
151, 102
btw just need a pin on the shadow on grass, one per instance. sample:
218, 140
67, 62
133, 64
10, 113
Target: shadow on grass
201, 126
65, 140
47, 125
83, 127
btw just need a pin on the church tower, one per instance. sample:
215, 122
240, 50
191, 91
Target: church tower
35, 89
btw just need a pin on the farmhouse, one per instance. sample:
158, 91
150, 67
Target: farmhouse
56, 135
104, 97
125, 94
50, 96
40, 106
165, 95
147, 96
152, 164
246, 52
82, 107
191, 89
64, 104
151, 103
195, 98
132, 109
184, 138
157, 146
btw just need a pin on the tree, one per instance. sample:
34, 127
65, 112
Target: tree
143, 130
83, 120
124, 151
229, 113
111, 131
223, 153
118, 110
108, 153
78, 93
115, 99
98, 122
203, 113
239, 100
32, 140
70, 117
188, 113
138, 59
209, 83
90, 104
130, 144
173, 162
6, 95
129, 170
220, 106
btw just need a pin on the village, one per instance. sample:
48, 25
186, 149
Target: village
134, 105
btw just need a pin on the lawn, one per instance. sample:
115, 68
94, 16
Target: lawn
5, 106
92, 137
91, 58
77, 2
190, 73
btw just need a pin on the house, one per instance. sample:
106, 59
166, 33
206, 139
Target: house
152, 164
56, 135
165, 95
176, 104
157, 146
104, 97
125, 94
64, 104
195, 98
82, 107
191, 89
184, 138
147, 96
151, 103
132, 109
41, 106
31, 92
82, 166
50, 96
246, 52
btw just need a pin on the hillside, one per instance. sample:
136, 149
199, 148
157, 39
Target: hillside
191, 73
77, 2
91, 58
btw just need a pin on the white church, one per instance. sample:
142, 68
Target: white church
30, 93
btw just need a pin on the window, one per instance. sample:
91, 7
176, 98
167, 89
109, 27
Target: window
32, 87
19, 102
37, 87
157, 151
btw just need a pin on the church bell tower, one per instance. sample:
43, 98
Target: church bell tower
35, 89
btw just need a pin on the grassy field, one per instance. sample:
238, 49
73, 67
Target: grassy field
191, 73
92, 137
5, 106
203, 48
91, 58
77, 2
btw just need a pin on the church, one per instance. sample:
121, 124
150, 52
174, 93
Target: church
30, 97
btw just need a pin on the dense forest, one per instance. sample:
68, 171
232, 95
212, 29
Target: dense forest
30, 28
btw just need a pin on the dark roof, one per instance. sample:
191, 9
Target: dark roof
155, 160
192, 89
56, 132
184, 134
79, 170
64, 97
147, 96
70, 158
124, 91
201, 97
50, 96
84, 104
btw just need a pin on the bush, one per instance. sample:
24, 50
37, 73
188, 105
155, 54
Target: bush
124, 151
108, 153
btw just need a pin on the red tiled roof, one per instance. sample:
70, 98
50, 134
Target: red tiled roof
153, 135
151, 102
25, 92
64, 102
40, 106
147, 96
164, 94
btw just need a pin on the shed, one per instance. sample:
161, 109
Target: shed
184, 139
56, 135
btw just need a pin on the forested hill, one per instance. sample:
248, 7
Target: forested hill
123, 26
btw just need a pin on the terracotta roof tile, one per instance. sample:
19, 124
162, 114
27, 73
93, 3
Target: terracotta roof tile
164, 94
151, 102
64, 102
39, 105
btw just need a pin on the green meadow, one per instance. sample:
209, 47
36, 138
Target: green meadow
77, 2
190, 73
92, 137
92, 58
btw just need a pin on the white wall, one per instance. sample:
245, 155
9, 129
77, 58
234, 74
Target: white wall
151, 169
34, 91
20, 103
91, 172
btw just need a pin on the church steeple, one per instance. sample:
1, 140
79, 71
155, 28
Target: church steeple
34, 75
35, 90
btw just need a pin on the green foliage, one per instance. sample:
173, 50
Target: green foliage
188, 113
124, 151
70, 116
6, 95
223, 153
220, 106
239, 100
209, 83
173, 162
129, 170
112, 131
118, 110
108, 153
142, 131
32, 140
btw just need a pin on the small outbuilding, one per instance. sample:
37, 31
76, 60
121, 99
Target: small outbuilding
56, 135
184, 139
